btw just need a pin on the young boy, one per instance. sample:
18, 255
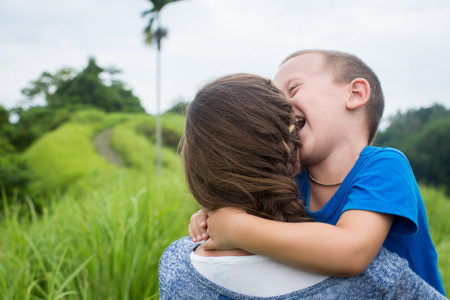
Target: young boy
369, 194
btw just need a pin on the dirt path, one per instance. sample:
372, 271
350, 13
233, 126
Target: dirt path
102, 144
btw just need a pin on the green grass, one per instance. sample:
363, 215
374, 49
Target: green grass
101, 243
438, 212
138, 150
104, 242
173, 122
103, 229
64, 156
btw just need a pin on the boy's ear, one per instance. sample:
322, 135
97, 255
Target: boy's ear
359, 93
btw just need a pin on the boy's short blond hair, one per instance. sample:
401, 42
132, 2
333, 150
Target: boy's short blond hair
346, 67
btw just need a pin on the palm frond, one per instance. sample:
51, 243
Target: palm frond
150, 11
153, 12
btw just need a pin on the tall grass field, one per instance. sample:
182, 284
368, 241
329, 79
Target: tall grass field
100, 230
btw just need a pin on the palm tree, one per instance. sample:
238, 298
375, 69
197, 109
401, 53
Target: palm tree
150, 35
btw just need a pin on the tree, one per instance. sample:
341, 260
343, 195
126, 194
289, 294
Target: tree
158, 34
6, 130
422, 135
430, 153
154, 16
179, 108
47, 83
15, 174
4, 116
67, 89
403, 125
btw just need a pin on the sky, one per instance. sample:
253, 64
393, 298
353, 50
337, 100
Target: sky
406, 43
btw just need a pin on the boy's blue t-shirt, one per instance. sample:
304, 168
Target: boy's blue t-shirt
382, 181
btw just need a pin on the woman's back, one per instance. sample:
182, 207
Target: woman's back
387, 277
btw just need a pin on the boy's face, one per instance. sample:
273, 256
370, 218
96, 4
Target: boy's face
318, 101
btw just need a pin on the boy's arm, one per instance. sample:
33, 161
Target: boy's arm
342, 250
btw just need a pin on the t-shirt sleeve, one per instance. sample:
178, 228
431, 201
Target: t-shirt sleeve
386, 184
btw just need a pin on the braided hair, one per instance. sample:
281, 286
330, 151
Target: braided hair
240, 148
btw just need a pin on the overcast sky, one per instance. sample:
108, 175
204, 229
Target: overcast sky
406, 42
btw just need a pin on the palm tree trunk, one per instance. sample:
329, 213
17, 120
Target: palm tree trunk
158, 103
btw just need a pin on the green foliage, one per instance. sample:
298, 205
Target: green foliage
172, 129
422, 135
15, 176
100, 242
171, 132
64, 156
430, 153
68, 90
104, 240
173, 122
131, 141
179, 108
34, 123
48, 82
102, 237
438, 210
159, 33
4, 116
92, 117
5, 146
6, 130
57, 160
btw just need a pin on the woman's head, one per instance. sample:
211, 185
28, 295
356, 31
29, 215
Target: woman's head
240, 150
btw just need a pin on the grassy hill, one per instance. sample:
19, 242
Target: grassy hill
102, 228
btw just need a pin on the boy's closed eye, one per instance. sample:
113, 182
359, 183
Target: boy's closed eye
293, 90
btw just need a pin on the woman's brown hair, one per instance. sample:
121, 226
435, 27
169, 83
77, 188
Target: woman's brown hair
240, 149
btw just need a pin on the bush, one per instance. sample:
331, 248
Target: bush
65, 155
34, 123
179, 108
169, 137
15, 176
134, 142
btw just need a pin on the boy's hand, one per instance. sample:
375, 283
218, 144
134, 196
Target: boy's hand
223, 225
198, 226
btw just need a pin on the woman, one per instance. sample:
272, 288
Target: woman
240, 150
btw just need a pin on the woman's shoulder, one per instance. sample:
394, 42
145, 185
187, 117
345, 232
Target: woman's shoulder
175, 254
177, 250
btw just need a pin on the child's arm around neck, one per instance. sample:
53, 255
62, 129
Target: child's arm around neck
342, 250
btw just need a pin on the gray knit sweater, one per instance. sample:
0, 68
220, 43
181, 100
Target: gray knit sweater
387, 277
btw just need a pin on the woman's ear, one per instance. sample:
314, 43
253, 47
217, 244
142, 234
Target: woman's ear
359, 93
